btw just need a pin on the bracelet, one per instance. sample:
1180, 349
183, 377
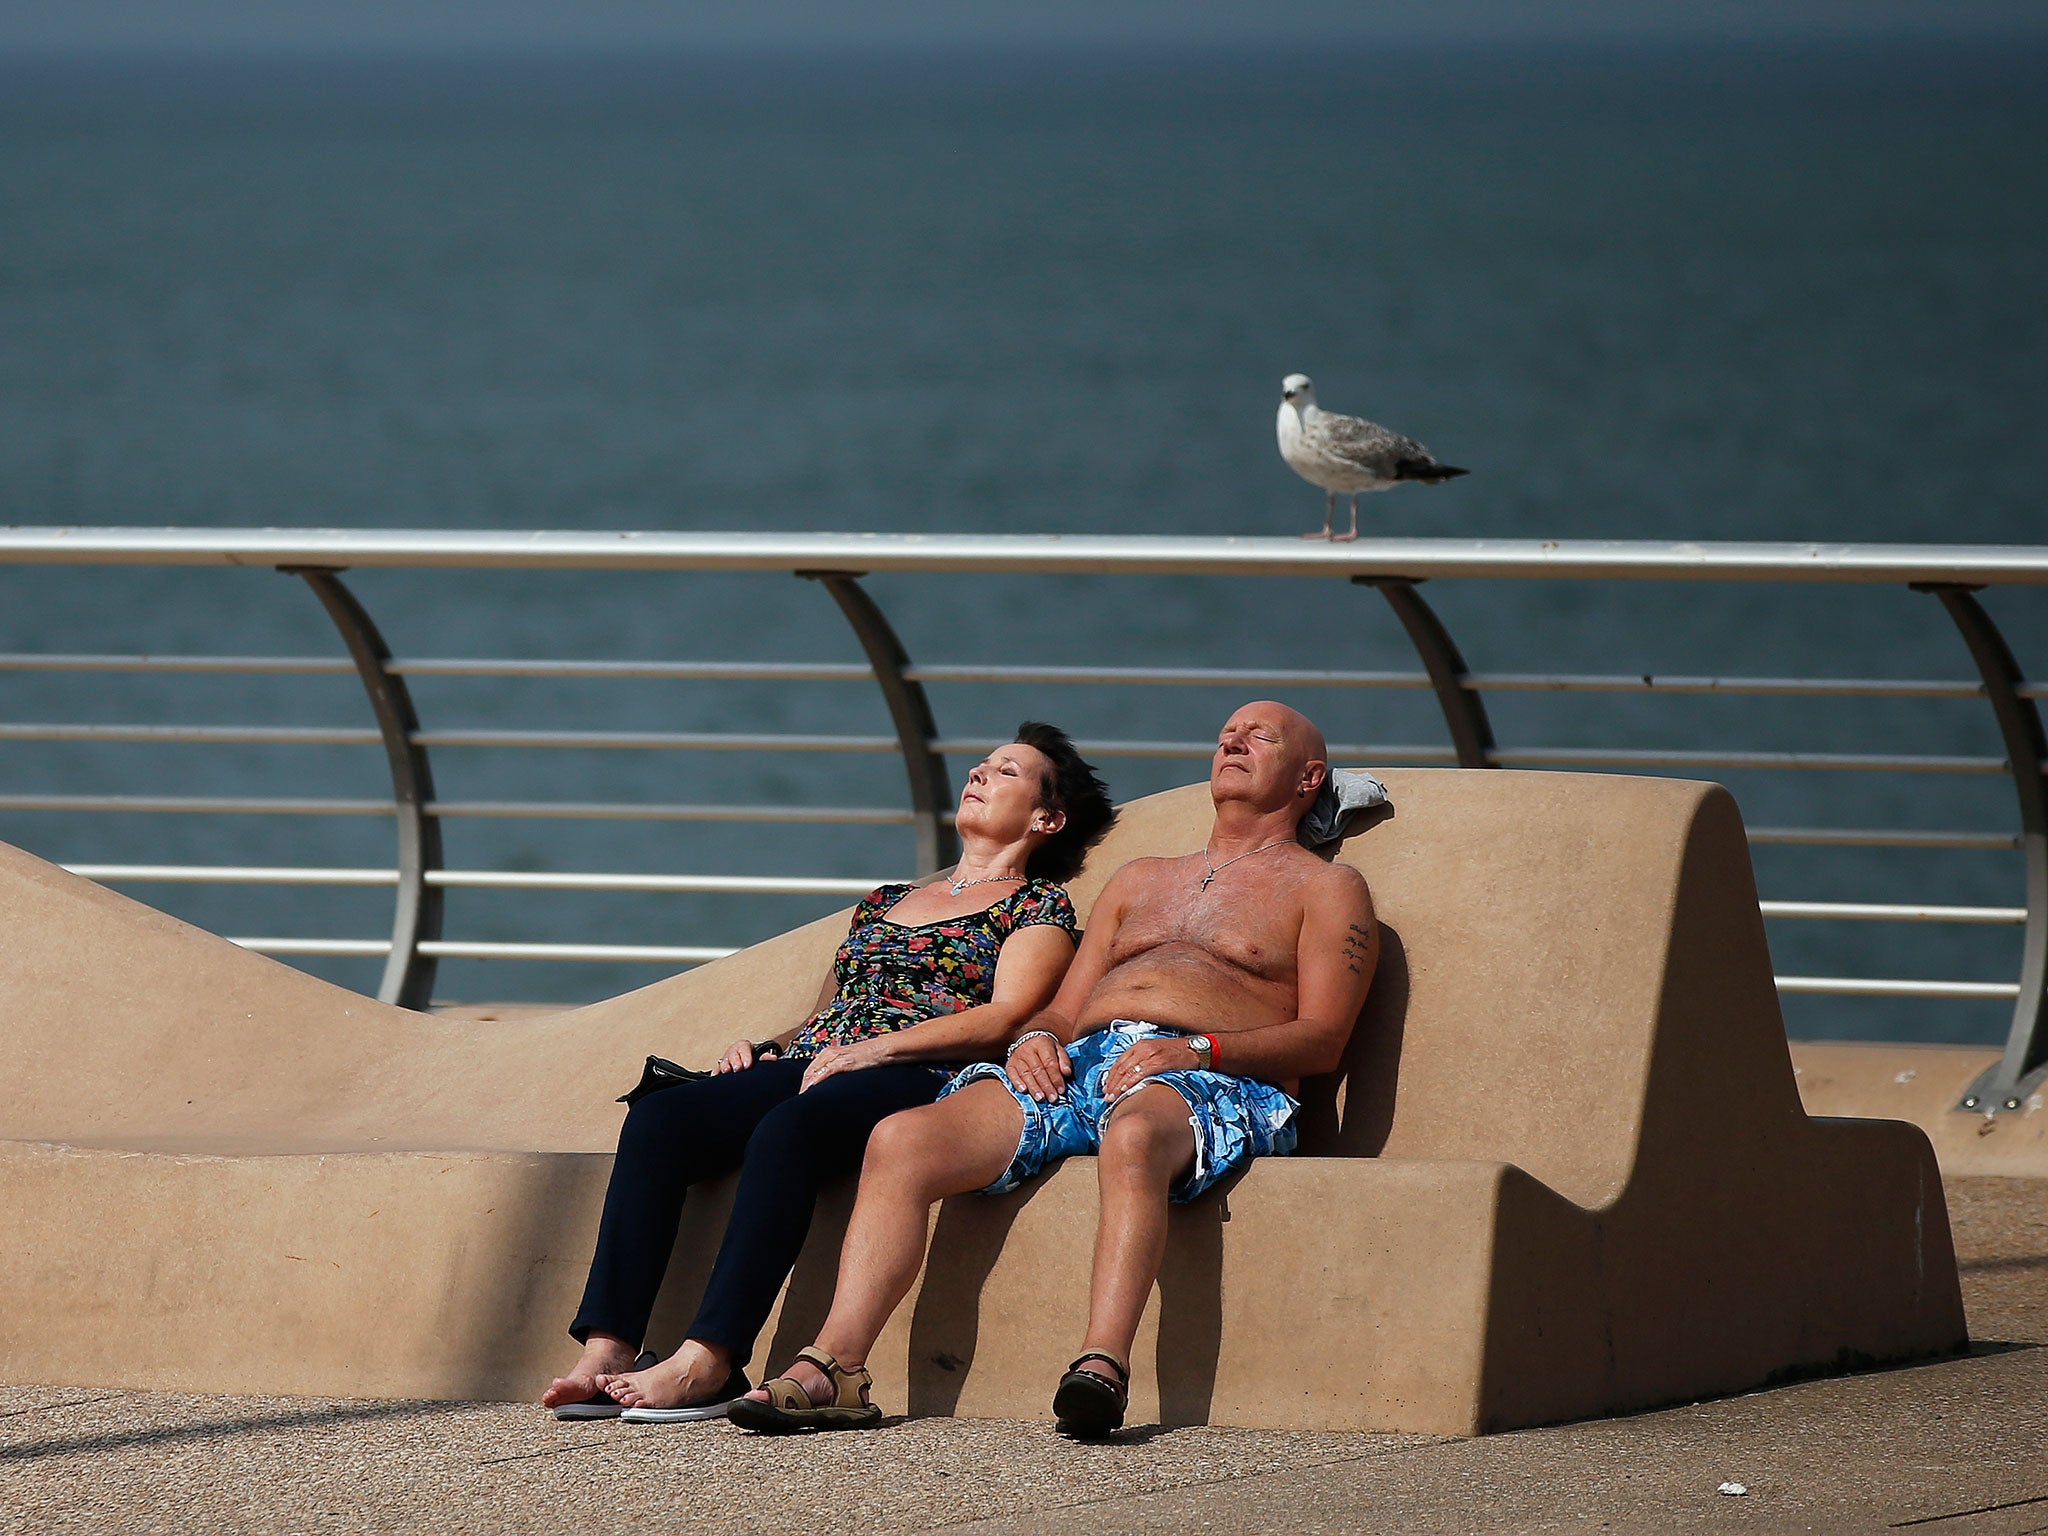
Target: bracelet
768, 1048
1027, 1035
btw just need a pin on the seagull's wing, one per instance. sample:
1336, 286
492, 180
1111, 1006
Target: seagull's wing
1368, 444
1387, 454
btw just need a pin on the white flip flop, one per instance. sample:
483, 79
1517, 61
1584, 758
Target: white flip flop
736, 1386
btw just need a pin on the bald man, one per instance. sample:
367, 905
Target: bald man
1217, 980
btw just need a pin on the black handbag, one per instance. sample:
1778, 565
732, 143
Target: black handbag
661, 1073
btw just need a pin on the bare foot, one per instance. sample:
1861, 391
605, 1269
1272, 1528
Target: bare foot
816, 1385
688, 1376
602, 1354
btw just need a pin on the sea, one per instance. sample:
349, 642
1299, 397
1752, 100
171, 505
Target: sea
1647, 292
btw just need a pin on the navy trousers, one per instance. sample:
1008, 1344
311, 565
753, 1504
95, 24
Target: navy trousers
786, 1146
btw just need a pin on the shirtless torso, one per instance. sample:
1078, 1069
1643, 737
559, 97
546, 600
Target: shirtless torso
1229, 960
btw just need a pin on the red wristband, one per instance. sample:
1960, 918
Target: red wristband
1215, 1055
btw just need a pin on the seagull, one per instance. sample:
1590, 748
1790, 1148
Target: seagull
1343, 453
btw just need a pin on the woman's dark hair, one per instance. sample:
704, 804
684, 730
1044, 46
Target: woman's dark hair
1073, 787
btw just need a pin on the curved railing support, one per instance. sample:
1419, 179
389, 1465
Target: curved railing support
931, 792
1464, 712
2021, 1071
416, 915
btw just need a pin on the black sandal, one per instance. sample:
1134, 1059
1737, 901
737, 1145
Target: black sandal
1088, 1404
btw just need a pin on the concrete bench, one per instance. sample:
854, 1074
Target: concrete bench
1565, 1170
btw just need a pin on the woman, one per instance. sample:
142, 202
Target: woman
930, 977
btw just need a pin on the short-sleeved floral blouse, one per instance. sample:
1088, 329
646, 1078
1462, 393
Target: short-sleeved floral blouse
895, 974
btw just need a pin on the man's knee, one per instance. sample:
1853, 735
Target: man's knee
1148, 1134
907, 1143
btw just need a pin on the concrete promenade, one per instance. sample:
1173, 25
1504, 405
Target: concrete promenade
1958, 1446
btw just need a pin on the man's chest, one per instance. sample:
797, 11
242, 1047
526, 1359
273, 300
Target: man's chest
1251, 930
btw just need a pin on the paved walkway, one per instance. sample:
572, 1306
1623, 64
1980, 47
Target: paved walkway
1955, 1448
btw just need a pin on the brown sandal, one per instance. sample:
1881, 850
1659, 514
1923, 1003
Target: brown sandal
789, 1408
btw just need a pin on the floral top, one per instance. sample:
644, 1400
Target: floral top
894, 974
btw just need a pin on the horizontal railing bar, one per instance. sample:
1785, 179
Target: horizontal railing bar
571, 810
1801, 687
1853, 837
738, 885
799, 885
451, 949
28, 661
700, 741
664, 741
541, 810
1340, 752
230, 874
1859, 986
342, 948
1179, 677
658, 671
535, 810
1889, 912
662, 954
1476, 682
221, 805
478, 879
1629, 757
676, 671
207, 735
1065, 554
198, 735
324, 736
835, 672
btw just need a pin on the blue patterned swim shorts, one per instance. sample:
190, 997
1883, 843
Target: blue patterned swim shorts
1235, 1119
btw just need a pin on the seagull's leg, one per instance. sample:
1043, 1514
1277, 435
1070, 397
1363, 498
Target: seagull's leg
1329, 511
1346, 538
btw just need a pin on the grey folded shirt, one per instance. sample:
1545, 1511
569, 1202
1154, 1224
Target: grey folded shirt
1346, 794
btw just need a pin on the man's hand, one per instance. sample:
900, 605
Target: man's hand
1148, 1058
1040, 1066
737, 1058
835, 1059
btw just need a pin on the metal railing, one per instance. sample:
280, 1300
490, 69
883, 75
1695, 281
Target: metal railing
1949, 575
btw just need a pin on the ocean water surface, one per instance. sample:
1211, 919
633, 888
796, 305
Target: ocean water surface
1699, 295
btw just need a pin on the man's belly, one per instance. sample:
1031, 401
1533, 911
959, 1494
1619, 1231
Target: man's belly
1188, 988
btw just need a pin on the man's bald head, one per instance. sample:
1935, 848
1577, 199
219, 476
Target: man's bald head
1270, 756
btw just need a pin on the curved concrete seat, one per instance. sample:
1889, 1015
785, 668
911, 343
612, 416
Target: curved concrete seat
1564, 1171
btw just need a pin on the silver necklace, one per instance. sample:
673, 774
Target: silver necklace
958, 886
1216, 869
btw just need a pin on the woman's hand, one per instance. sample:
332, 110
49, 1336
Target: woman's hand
1040, 1066
737, 1058
842, 1058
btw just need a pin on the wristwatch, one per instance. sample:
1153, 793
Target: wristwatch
1203, 1046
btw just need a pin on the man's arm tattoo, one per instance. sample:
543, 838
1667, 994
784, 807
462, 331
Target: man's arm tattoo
1357, 945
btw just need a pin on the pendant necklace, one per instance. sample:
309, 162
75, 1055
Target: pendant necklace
957, 886
1216, 869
